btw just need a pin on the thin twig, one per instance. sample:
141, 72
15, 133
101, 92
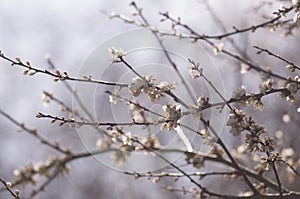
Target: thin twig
251, 28
276, 56
96, 124
8, 188
277, 177
58, 76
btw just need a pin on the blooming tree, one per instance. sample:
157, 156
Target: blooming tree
261, 165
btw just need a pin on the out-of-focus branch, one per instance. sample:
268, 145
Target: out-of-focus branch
34, 132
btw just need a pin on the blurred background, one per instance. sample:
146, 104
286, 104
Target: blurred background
70, 31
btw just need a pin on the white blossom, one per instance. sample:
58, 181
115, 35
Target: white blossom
266, 86
296, 17
258, 105
295, 2
236, 122
292, 87
149, 87
46, 99
102, 144
290, 68
119, 157
116, 54
196, 110
238, 94
165, 86
136, 86
244, 68
195, 71
218, 48
113, 98
287, 153
173, 115
138, 113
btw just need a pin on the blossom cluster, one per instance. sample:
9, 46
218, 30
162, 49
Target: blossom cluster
196, 160
195, 110
116, 54
173, 115
48, 169
138, 113
195, 70
239, 122
123, 140
266, 86
149, 87
292, 88
244, 99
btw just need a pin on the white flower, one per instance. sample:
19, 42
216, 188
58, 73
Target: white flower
266, 86
119, 157
149, 142
165, 86
292, 87
8, 185
236, 121
173, 113
240, 92
138, 113
195, 110
258, 105
116, 54
287, 153
101, 144
46, 99
295, 2
218, 48
149, 87
113, 98
127, 142
296, 17
290, 68
244, 68
126, 139
38, 167
269, 145
136, 86
195, 71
